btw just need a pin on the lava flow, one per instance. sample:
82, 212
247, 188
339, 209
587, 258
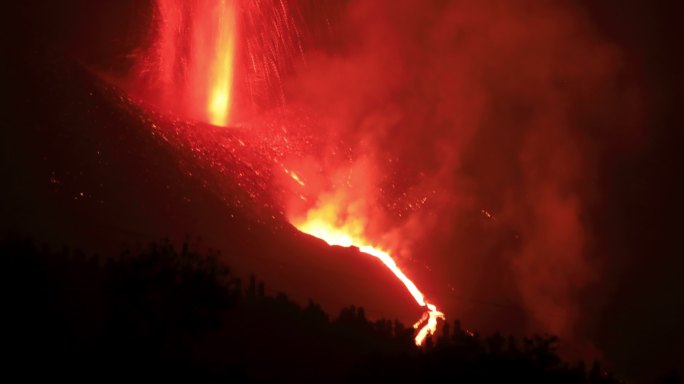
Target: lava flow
319, 223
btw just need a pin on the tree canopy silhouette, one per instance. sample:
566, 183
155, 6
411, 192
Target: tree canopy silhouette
165, 313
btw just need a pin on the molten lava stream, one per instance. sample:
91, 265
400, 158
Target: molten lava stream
332, 235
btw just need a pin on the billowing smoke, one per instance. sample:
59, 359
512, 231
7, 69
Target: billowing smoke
459, 134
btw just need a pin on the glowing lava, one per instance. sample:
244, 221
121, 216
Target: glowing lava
222, 66
318, 223
192, 67
195, 57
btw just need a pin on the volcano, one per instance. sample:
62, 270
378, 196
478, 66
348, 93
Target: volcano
112, 175
514, 160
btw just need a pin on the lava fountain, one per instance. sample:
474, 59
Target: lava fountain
323, 223
193, 60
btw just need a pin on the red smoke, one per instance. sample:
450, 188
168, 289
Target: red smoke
455, 134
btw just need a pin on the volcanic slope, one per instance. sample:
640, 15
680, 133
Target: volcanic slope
87, 166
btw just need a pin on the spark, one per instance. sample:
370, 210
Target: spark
296, 178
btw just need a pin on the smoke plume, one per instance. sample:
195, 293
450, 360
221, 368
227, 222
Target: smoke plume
460, 131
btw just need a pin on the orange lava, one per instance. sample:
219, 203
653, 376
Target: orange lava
322, 222
222, 65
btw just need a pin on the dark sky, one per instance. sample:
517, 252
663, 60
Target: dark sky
641, 214
628, 304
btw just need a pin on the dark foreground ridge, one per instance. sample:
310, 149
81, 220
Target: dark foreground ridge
162, 313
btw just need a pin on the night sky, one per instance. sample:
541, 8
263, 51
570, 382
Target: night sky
541, 140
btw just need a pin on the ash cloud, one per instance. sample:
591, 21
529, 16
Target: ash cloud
479, 120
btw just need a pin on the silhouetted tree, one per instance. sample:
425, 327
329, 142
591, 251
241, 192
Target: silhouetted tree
159, 313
